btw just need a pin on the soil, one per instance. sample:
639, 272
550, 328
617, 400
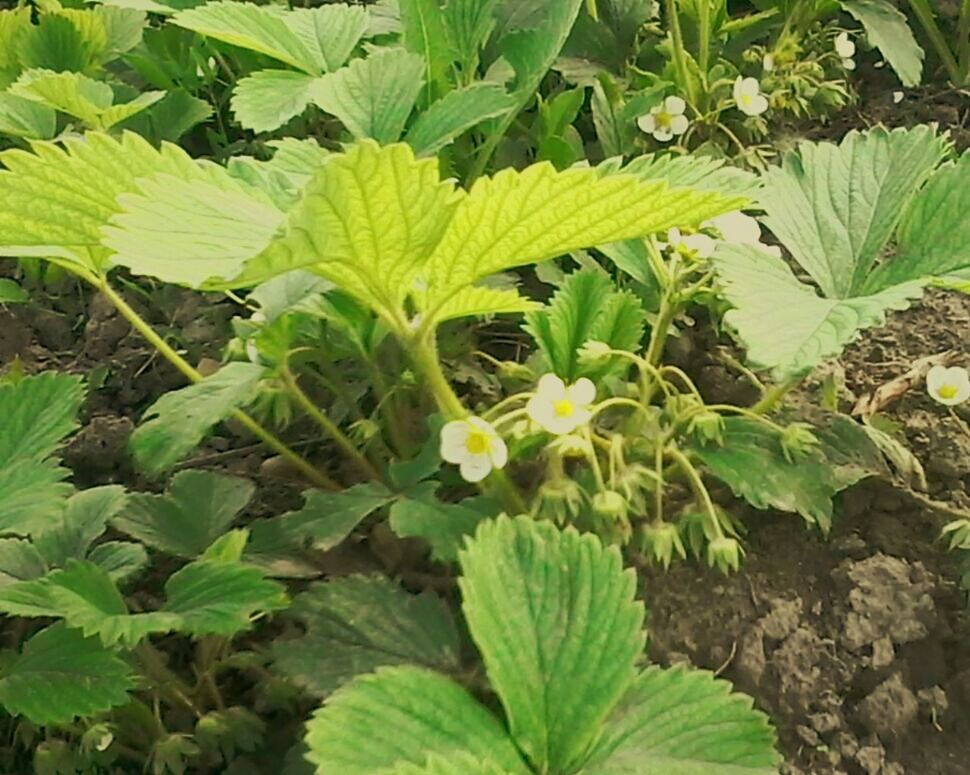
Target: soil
857, 645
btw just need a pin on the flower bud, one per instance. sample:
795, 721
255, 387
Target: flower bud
797, 440
572, 446
558, 500
660, 541
724, 553
610, 504
707, 426
593, 351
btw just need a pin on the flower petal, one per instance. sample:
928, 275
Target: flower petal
679, 124
675, 105
540, 410
647, 123
750, 87
474, 468
583, 392
551, 388
498, 454
453, 438
663, 135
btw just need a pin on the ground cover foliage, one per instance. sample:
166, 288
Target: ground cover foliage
465, 246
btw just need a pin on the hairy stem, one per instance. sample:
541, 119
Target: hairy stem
698, 487
138, 323
927, 19
677, 47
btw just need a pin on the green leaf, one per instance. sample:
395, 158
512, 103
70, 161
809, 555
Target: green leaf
752, 464
403, 715
933, 233
359, 623
61, 675
171, 117
77, 95
192, 232
481, 300
263, 29
373, 97
450, 764
119, 559
38, 413
56, 43
220, 598
25, 118
424, 32
330, 32
86, 596
445, 526
855, 193
11, 292
197, 508
518, 218
887, 29
703, 173
784, 324
78, 182
19, 561
268, 99
84, 518
469, 24
566, 323
456, 113
179, 420
375, 215
543, 605
684, 722
14, 22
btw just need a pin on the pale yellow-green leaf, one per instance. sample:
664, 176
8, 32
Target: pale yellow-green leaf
118, 113
12, 25
517, 218
55, 198
370, 218
478, 300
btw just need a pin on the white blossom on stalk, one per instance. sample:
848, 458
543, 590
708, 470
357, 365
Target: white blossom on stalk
561, 408
474, 446
740, 229
748, 96
768, 63
665, 120
949, 386
845, 48
694, 246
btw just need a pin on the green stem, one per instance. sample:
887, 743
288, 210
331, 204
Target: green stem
390, 410
963, 41
698, 487
677, 48
774, 394
329, 426
704, 55
138, 323
926, 18
658, 494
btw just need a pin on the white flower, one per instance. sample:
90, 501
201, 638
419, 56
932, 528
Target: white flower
768, 63
665, 120
949, 386
898, 97
845, 48
560, 409
748, 96
474, 446
740, 229
689, 245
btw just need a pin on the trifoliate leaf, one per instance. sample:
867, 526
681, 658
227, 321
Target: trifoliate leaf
887, 29
373, 97
784, 324
443, 525
542, 605
25, 118
752, 463
329, 32
61, 675
835, 206
403, 715
54, 200
456, 113
933, 233
179, 420
684, 721
359, 623
258, 28
267, 99
220, 598
518, 218
38, 412
197, 508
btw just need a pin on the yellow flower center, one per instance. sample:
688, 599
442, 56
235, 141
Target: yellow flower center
478, 442
948, 391
564, 408
746, 100
664, 119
